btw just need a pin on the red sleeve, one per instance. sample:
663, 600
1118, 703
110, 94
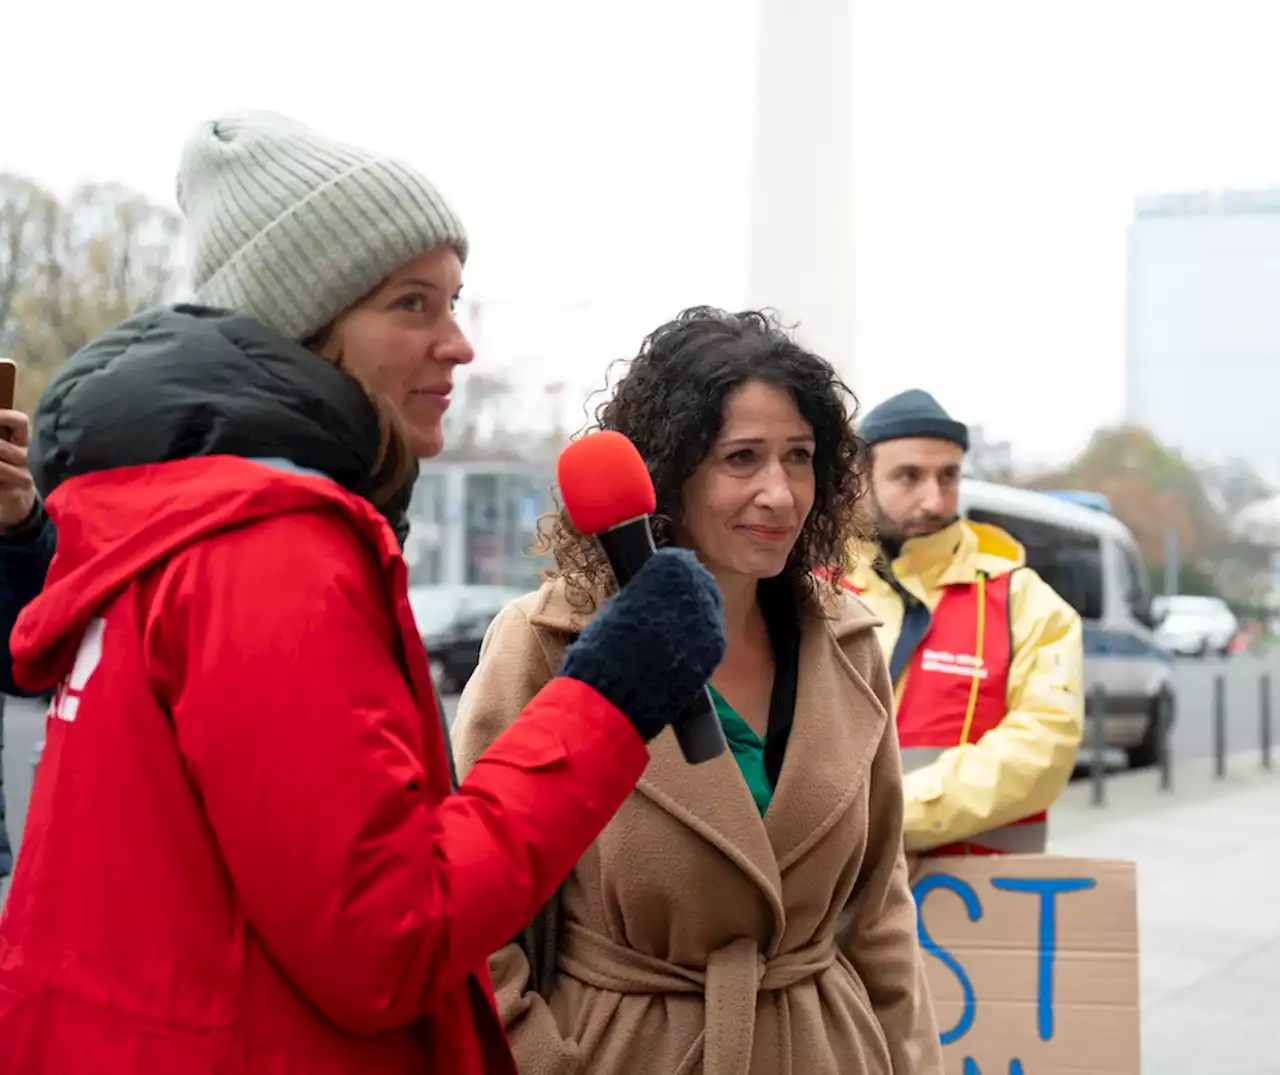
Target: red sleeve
274, 648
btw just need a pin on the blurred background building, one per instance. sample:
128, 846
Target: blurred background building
473, 523
1202, 369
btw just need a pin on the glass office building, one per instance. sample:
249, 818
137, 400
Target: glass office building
1203, 364
475, 523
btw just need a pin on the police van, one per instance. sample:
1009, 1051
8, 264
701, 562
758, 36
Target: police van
1091, 559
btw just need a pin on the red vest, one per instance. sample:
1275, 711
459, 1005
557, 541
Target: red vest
956, 690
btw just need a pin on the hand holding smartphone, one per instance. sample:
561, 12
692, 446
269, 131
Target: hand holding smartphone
17, 490
8, 389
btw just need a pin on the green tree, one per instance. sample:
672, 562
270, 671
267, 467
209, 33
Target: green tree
1151, 488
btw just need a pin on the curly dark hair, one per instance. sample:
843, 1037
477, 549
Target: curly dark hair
670, 402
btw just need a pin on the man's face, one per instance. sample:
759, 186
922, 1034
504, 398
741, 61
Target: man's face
915, 486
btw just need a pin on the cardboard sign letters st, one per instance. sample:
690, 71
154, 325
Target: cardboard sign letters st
1032, 962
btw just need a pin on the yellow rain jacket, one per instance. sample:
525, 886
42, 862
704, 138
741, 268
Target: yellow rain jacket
1022, 765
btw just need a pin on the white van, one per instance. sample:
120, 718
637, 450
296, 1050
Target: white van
1085, 553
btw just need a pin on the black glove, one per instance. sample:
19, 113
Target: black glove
655, 644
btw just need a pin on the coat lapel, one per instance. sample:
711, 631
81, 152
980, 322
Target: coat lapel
831, 748
712, 799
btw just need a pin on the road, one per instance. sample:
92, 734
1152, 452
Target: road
1242, 677
23, 729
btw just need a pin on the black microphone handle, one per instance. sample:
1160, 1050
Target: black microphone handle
628, 547
698, 729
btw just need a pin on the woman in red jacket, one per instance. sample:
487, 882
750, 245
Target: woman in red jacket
243, 854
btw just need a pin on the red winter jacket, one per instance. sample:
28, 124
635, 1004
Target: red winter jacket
242, 855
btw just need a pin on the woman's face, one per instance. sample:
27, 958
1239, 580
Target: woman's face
746, 504
404, 343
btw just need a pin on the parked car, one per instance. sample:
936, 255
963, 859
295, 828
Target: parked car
452, 621
1091, 559
1194, 626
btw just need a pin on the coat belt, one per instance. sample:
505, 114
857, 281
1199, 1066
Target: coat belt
730, 981
1030, 836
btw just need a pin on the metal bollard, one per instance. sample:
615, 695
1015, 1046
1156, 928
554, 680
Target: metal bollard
1264, 717
1096, 711
1164, 748
1219, 726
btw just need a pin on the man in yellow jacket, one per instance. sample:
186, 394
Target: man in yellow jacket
987, 660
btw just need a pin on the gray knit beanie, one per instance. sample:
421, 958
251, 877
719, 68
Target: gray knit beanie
913, 413
292, 228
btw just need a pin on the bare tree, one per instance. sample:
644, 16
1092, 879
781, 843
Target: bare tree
24, 207
70, 271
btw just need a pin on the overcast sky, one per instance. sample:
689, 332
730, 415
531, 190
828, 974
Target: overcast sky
599, 154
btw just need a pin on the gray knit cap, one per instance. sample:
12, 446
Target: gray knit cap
910, 414
291, 228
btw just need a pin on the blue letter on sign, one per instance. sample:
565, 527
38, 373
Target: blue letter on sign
953, 884
970, 1068
1047, 888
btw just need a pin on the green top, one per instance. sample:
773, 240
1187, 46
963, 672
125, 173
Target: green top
748, 751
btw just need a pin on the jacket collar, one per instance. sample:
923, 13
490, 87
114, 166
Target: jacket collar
954, 555
179, 382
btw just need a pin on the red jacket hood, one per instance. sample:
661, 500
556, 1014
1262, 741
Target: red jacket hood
115, 525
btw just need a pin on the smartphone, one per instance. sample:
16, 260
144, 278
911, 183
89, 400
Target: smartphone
8, 383
8, 386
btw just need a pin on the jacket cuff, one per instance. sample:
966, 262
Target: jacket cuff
29, 530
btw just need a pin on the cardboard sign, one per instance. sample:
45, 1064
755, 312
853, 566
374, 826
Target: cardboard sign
1032, 962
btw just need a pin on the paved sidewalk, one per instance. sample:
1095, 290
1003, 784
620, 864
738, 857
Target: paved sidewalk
1208, 856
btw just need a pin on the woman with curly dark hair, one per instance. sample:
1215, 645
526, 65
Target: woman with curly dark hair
751, 915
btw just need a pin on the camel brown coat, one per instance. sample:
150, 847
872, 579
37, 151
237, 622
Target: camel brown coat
699, 937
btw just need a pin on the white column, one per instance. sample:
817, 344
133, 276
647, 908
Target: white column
801, 259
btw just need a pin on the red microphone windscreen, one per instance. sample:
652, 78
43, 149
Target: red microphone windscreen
604, 482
